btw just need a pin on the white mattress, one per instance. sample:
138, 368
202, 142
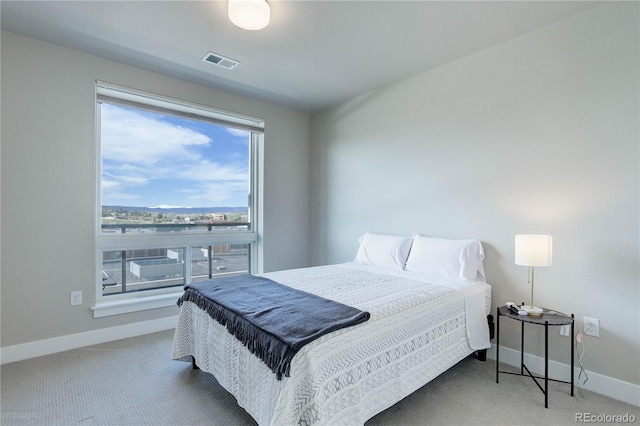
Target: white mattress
417, 330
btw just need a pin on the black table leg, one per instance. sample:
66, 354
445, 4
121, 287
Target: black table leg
546, 364
522, 348
497, 344
572, 348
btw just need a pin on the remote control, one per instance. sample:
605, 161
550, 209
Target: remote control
515, 309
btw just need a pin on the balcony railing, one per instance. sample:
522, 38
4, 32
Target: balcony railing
135, 270
176, 227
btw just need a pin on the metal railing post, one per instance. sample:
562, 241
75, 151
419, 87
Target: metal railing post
210, 255
123, 269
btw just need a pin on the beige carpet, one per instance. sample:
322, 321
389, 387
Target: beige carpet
134, 382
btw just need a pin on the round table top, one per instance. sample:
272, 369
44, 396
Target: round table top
548, 316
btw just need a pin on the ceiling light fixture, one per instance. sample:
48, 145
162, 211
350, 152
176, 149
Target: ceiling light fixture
249, 14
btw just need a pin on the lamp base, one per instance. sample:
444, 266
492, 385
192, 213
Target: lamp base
531, 310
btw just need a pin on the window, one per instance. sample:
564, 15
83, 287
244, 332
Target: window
176, 197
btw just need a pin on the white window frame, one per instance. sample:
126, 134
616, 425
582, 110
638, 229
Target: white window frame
162, 297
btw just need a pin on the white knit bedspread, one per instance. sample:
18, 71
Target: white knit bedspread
417, 330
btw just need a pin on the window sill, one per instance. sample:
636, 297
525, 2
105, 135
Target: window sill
117, 307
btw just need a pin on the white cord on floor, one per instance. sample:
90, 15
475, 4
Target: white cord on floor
580, 341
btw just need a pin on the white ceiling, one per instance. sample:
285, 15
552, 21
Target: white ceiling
313, 54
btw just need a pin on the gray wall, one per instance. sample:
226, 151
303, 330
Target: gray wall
48, 163
536, 135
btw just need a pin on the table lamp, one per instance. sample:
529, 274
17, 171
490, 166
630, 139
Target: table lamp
532, 251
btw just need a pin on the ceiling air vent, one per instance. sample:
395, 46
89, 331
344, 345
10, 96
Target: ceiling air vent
220, 60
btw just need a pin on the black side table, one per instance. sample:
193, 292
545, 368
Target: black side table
548, 318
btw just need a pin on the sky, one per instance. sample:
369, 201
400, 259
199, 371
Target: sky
151, 159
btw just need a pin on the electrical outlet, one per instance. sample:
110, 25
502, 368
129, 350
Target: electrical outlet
592, 327
565, 330
76, 298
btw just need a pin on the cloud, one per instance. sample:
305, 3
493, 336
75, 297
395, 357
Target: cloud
140, 150
238, 132
242, 137
138, 138
206, 171
221, 194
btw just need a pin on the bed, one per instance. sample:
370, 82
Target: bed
428, 303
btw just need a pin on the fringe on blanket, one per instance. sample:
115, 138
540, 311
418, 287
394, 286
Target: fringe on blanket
273, 351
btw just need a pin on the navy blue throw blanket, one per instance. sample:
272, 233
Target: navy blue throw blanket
272, 320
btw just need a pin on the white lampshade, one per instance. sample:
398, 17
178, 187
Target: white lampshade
249, 14
534, 250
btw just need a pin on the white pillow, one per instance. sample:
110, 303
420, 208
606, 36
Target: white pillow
383, 250
451, 258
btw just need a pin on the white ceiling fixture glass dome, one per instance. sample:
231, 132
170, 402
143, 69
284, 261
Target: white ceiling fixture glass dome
249, 14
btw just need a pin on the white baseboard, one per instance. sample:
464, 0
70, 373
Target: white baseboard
598, 383
73, 341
